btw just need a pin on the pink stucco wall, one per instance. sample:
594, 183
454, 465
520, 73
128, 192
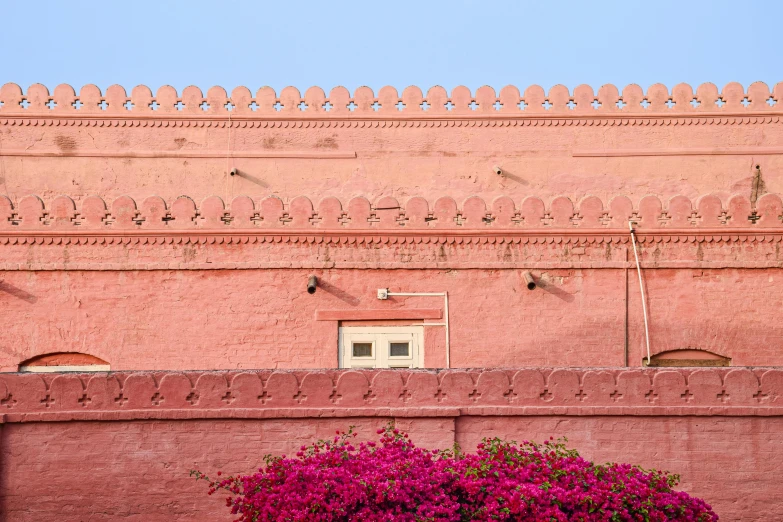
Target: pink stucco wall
138, 471
123, 236
602, 151
102, 253
165, 319
120, 446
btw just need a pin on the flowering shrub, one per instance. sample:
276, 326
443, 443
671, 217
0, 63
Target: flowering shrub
393, 480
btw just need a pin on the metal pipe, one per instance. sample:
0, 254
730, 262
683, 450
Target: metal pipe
641, 288
312, 284
445, 296
403, 294
448, 334
531, 283
625, 324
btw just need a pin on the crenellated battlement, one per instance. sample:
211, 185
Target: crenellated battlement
437, 103
386, 214
286, 394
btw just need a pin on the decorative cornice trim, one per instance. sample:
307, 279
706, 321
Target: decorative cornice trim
394, 237
398, 122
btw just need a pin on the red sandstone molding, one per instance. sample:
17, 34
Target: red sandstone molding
605, 120
437, 104
268, 393
380, 314
680, 217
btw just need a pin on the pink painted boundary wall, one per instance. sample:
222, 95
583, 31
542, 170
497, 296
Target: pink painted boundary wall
119, 446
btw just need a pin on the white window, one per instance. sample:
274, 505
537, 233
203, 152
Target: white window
381, 347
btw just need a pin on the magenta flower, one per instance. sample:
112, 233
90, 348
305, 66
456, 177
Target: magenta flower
335, 480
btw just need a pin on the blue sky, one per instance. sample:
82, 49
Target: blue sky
372, 43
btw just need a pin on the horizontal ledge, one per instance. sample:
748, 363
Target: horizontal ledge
738, 151
389, 265
163, 154
381, 235
390, 116
196, 413
395, 232
176, 154
378, 314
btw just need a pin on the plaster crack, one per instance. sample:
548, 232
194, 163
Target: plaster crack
39, 140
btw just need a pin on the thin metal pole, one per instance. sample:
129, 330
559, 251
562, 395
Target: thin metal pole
641, 288
625, 336
448, 335
432, 294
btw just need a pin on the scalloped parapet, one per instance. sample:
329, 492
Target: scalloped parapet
485, 102
62, 214
719, 391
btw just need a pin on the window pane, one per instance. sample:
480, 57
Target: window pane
362, 349
399, 349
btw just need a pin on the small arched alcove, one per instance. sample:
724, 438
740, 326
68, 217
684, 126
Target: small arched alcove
64, 362
687, 357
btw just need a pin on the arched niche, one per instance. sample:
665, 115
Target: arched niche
64, 362
687, 357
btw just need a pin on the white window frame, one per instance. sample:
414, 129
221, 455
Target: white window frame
381, 338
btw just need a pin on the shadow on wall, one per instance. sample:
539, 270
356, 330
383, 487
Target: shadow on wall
549, 287
338, 293
17, 292
253, 179
506, 175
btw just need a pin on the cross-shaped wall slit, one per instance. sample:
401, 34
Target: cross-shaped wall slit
192, 397
228, 398
264, 397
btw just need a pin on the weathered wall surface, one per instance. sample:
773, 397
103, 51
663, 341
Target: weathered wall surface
179, 320
223, 287
122, 234
684, 141
120, 446
220, 290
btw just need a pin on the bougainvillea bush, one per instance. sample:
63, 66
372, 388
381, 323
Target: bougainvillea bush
393, 480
